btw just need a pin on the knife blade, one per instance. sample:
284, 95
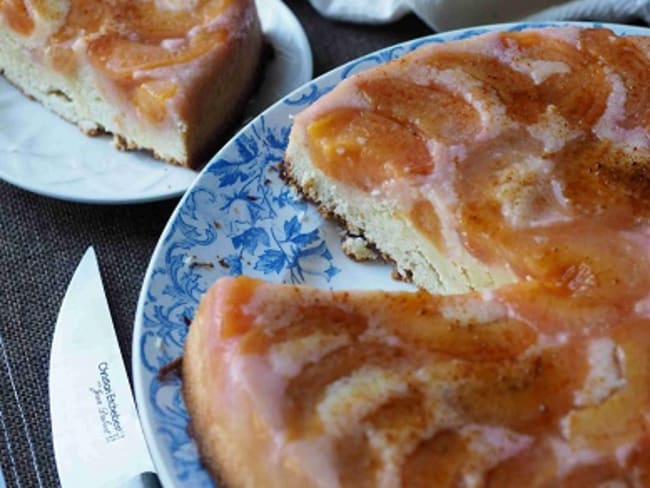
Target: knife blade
96, 433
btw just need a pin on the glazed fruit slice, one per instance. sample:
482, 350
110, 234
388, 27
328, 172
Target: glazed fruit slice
17, 16
628, 58
423, 107
565, 89
624, 411
368, 148
121, 58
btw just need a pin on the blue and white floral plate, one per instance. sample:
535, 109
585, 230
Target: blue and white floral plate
240, 218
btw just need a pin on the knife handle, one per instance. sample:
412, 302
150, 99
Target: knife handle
143, 480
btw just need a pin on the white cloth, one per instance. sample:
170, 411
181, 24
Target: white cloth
444, 15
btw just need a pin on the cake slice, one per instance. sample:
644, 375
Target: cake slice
509, 156
291, 386
167, 76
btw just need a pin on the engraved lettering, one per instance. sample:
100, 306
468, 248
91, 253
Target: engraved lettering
107, 405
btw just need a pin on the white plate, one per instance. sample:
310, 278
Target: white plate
240, 214
42, 153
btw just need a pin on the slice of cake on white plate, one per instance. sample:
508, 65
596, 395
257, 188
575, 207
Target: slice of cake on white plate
485, 161
165, 76
295, 387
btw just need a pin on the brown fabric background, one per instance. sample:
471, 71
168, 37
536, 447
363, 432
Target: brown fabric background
42, 240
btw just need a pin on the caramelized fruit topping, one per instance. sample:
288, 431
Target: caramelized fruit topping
366, 148
121, 58
126, 40
423, 107
17, 16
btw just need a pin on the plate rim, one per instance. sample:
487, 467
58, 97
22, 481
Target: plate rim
304, 50
137, 368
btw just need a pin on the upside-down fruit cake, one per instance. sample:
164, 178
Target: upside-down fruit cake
511, 166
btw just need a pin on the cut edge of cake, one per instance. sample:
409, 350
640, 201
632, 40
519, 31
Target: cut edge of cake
414, 256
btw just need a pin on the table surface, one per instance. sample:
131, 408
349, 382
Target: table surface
42, 240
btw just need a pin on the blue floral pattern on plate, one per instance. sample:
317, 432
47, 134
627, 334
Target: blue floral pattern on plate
240, 218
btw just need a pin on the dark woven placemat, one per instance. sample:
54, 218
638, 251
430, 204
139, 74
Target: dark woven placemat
42, 240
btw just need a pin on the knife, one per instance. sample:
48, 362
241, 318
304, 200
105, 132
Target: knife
97, 437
